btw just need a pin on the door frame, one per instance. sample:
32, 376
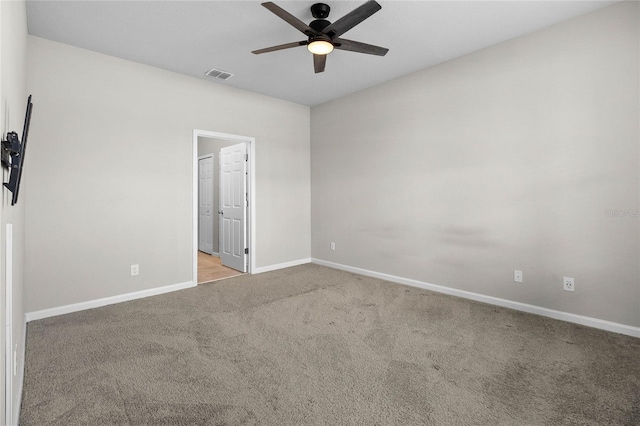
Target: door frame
251, 185
8, 324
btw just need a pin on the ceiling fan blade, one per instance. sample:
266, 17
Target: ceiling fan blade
356, 46
319, 61
298, 24
352, 19
280, 47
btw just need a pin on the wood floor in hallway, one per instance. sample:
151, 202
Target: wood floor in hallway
210, 269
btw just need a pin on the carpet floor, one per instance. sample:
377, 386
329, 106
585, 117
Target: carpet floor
311, 345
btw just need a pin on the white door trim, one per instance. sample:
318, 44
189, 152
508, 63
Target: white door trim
8, 367
251, 188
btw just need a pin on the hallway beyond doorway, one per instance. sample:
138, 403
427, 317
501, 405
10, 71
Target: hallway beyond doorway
211, 269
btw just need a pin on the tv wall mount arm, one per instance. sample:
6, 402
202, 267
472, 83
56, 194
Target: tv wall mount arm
10, 150
10, 156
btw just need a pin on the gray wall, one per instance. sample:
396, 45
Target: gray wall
13, 98
507, 158
110, 173
212, 146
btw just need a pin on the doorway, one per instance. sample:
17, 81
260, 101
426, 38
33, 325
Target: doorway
207, 265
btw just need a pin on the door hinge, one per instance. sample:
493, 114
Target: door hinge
246, 157
246, 251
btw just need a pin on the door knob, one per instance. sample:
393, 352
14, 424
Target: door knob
221, 212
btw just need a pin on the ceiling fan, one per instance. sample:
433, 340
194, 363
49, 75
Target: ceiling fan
324, 36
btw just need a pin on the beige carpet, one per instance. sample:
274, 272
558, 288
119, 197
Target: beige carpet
312, 345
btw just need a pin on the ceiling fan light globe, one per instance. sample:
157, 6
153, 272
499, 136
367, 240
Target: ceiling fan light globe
320, 47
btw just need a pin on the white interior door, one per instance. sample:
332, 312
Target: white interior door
205, 204
233, 206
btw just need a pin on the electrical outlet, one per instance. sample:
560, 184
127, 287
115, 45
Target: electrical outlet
135, 270
333, 245
569, 285
517, 276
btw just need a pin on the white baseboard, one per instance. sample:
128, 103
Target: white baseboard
90, 304
281, 266
564, 316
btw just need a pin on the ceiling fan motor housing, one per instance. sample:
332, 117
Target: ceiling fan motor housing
320, 10
319, 25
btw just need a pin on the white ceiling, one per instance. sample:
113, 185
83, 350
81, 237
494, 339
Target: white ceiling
191, 37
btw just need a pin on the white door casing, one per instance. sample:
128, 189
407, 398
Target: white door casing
205, 204
233, 206
9, 357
